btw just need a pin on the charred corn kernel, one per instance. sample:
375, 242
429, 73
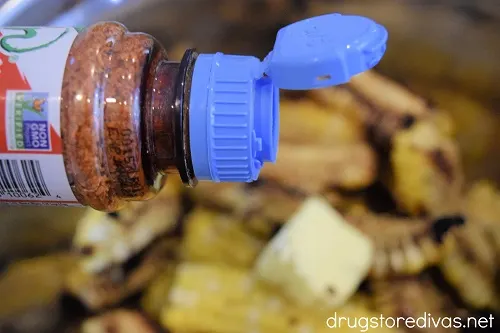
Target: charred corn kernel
397, 260
428, 175
338, 100
380, 267
31, 292
387, 95
316, 258
109, 239
411, 296
111, 286
403, 245
431, 252
414, 258
347, 166
476, 125
483, 202
305, 122
118, 321
156, 294
475, 288
224, 196
215, 237
445, 123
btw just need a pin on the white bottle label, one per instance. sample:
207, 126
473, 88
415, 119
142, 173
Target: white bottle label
32, 62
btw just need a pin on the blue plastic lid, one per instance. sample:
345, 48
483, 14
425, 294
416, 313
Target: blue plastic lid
234, 102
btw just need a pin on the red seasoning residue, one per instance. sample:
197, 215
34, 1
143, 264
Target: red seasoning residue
115, 94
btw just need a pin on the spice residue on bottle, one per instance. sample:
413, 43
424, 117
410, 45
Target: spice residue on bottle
122, 116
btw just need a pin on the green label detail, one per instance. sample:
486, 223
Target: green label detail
18, 121
27, 34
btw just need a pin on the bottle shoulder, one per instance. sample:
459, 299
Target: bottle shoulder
106, 37
102, 102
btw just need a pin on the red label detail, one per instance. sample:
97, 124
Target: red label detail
11, 78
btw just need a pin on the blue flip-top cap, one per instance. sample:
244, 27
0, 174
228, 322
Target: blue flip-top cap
234, 102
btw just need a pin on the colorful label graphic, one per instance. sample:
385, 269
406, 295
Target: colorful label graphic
32, 62
28, 121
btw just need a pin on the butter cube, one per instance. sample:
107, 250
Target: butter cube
317, 258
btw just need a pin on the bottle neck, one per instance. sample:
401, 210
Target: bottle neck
166, 119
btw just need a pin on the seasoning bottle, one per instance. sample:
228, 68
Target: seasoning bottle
99, 116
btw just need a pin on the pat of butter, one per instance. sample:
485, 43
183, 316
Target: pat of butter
317, 258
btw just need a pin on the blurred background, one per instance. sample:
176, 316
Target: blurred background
402, 153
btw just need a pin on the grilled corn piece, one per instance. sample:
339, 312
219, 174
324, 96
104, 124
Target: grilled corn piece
222, 299
215, 237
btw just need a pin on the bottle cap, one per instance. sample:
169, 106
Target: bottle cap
234, 101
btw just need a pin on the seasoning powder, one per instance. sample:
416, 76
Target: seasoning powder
74, 108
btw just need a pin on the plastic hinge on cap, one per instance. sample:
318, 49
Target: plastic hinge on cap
234, 101
324, 51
